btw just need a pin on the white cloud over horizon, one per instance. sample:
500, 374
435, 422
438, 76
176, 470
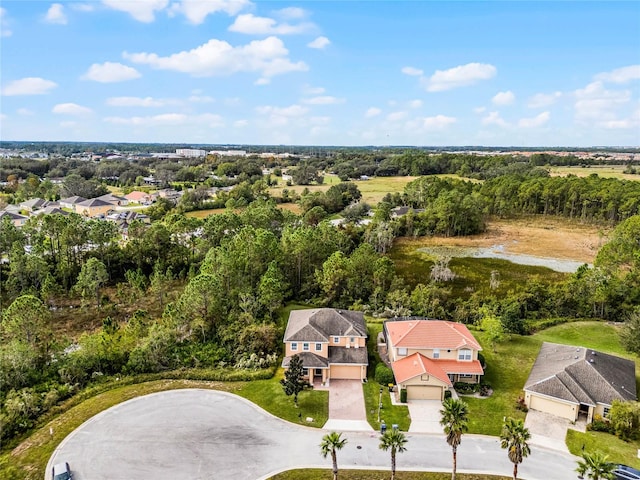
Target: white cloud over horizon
537, 121
71, 109
319, 43
110, 72
145, 102
268, 57
5, 29
620, 75
141, 10
250, 24
372, 112
323, 100
438, 122
541, 100
196, 11
56, 14
460, 76
412, 71
28, 86
503, 98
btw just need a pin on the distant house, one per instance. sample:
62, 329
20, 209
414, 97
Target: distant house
570, 382
51, 210
428, 356
331, 343
17, 219
70, 202
93, 207
33, 204
139, 197
114, 200
402, 211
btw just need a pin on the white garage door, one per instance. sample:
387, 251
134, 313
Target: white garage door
346, 372
424, 392
550, 406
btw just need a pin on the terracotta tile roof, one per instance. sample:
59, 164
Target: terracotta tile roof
453, 366
430, 334
581, 375
418, 364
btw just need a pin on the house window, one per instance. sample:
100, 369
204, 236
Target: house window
464, 354
336, 339
318, 347
436, 353
402, 351
605, 412
294, 346
305, 347
352, 339
465, 375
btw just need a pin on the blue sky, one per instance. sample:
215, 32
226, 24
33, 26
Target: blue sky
321, 72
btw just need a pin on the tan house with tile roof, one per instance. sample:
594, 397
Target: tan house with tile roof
331, 343
570, 382
428, 356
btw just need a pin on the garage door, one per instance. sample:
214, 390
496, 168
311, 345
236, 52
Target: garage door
347, 372
550, 406
420, 392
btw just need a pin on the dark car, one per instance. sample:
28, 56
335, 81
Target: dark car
61, 471
623, 472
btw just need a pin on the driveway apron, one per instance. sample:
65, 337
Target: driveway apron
346, 406
425, 416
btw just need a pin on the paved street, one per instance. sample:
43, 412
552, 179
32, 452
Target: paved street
204, 434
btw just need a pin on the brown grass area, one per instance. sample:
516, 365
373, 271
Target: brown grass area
605, 171
538, 236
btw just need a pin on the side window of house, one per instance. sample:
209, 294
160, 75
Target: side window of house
305, 347
436, 353
402, 351
318, 347
464, 354
336, 339
294, 346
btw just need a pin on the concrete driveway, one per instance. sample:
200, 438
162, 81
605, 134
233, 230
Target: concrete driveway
547, 430
346, 407
204, 434
425, 416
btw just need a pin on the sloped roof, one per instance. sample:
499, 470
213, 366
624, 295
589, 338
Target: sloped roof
94, 202
33, 203
581, 375
111, 198
73, 200
50, 210
319, 324
356, 356
472, 367
12, 215
136, 195
417, 364
430, 334
309, 360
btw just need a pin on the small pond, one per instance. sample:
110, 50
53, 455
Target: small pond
499, 252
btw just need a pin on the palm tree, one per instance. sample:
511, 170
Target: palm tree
454, 420
394, 440
596, 466
331, 443
514, 438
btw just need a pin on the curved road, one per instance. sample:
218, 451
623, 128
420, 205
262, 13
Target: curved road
205, 434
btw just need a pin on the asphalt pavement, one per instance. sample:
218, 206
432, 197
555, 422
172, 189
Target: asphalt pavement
205, 434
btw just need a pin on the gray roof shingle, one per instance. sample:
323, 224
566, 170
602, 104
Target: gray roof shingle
341, 355
319, 324
309, 360
581, 375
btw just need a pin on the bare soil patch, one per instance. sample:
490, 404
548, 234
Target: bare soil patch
537, 236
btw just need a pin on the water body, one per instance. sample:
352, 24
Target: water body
499, 252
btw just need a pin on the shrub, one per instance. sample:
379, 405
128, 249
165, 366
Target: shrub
600, 424
521, 405
384, 375
463, 387
482, 361
447, 394
403, 395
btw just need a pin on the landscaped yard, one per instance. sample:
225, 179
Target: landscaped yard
618, 450
325, 474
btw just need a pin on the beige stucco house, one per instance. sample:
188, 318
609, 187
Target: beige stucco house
570, 382
93, 207
428, 356
331, 343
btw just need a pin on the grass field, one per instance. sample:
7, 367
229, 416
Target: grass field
346, 474
605, 171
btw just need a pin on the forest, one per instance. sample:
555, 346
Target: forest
202, 296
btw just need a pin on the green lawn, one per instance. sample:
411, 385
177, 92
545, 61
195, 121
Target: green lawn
344, 474
604, 171
391, 414
618, 450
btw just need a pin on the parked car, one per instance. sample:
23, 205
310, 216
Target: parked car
623, 472
61, 471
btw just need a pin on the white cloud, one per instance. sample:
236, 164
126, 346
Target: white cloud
138, 102
56, 14
503, 98
620, 75
594, 103
28, 86
396, 116
291, 13
249, 24
415, 103
459, 76
240, 123
437, 122
536, 121
412, 71
24, 112
71, 109
262, 81
494, 118
479, 110
82, 7
162, 119
324, 100
541, 100
319, 43
197, 11
309, 90
372, 112
110, 72
5, 30
196, 98
280, 116
268, 57
4, 117
141, 10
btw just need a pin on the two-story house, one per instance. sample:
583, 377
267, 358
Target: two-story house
331, 343
428, 356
